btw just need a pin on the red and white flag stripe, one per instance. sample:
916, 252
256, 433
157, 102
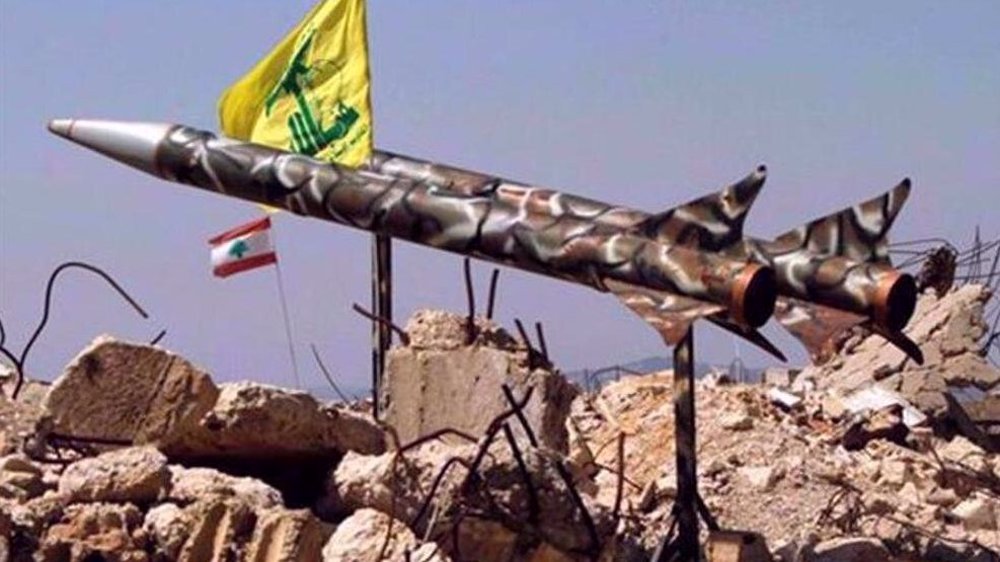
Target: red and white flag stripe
242, 248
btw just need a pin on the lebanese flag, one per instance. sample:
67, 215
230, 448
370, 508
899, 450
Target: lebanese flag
245, 247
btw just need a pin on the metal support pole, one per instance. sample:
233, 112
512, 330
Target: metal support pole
685, 548
381, 308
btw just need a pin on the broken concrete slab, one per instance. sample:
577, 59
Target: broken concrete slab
875, 398
257, 420
851, 550
439, 382
129, 392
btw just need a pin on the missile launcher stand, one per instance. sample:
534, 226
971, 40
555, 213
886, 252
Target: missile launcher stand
382, 308
684, 545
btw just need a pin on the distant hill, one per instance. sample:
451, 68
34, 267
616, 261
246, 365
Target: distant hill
656, 363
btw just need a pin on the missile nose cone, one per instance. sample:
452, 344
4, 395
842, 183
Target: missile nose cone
134, 144
61, 127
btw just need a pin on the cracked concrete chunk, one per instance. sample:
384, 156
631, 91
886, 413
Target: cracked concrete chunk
362, 536
258, 420
129, 392
188, 485
439, 382
135, 474
283, 535
851, 550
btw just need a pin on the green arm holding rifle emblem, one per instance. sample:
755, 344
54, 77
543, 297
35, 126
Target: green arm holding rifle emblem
308, 135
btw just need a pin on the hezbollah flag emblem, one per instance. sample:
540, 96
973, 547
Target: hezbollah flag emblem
311, 93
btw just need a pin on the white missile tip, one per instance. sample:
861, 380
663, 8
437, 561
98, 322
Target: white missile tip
61, 127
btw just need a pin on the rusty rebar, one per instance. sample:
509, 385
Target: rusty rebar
394, 436
533, 506
628, 481
326, 373
471, 467
90, 440
541, 341
588, 521
493, 293
437, 435
620, 487
435, 484
532, 354
404, 338
516, 408
48, 306
158, 337
490, 435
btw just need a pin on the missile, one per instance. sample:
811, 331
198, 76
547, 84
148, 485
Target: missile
831, 274
669, 285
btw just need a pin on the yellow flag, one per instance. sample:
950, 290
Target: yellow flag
311, 94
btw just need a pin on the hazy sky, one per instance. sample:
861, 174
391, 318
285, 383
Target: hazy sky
645, 103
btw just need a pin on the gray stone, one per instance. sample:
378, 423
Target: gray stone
282, 535
136, 474
20, 478
851, 550
168, 526
970, 369
188, 485
977, 513
362, 535
761, 478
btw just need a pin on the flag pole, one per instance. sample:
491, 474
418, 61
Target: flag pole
284, 315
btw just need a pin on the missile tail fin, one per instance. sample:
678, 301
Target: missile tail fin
711, 223
901, 341
812, 324
670, 315
859, 233
752, 335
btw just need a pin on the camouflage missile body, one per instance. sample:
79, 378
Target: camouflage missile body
673, 284
831, 273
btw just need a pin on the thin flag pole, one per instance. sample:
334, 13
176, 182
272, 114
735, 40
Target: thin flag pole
284, 315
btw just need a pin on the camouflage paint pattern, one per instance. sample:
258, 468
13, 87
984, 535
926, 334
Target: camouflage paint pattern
669, 284
831, 272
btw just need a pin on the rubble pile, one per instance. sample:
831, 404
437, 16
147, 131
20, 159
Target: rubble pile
486, 453
955, 386
853, 452
134, 453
